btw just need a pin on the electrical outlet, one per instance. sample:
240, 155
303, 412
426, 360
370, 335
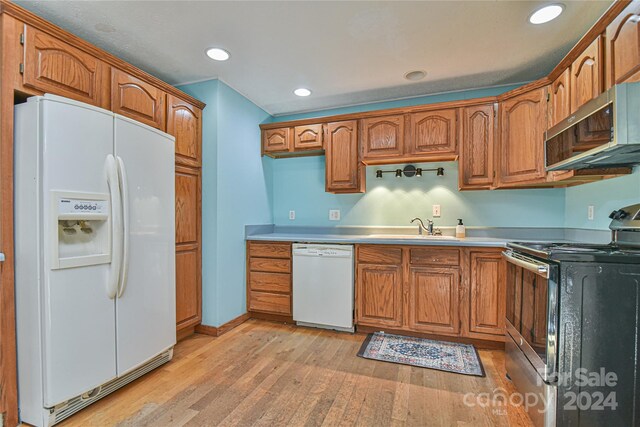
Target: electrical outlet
436, 211
334, 215
590, 212
292, 215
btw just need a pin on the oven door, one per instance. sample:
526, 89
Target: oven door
532, 311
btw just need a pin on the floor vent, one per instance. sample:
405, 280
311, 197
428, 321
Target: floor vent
65, 410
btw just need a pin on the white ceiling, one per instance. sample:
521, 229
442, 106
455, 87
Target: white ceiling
346, 52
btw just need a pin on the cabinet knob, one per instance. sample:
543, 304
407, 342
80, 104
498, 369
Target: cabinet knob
1, 257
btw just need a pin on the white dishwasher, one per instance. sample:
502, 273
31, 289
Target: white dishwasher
323, 286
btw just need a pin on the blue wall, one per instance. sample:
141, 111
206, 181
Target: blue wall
605, 196
236, 190
299, 185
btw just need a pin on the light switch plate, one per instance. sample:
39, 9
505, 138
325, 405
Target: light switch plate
436, 211
590, 212
334, 215
292, 215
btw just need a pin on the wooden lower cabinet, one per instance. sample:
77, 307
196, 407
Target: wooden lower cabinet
487, 290
434, 300
452, 291
379, 295
269, 278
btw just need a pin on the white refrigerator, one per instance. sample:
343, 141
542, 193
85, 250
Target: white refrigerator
94, 251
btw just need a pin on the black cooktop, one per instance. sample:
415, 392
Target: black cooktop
581, 252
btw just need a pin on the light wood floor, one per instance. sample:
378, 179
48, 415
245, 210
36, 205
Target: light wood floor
268, 374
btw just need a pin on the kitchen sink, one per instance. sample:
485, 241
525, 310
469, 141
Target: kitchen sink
411, 236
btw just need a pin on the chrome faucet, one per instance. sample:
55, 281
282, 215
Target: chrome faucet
422, 228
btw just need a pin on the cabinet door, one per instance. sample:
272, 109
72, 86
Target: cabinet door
307, 137
523, 120
52, 66
477, 147
344, 172
379, 295
559, 100
434, 300
623, 47
586, 75
382, 137
137, 99
487, 301
188, 247
184, 122
276, 140
433, 133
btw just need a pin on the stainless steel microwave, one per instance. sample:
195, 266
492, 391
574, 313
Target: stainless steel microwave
605, 132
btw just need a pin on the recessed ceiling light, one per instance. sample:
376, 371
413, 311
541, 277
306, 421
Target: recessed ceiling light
302, 91
218, 54
415, 75
546, 13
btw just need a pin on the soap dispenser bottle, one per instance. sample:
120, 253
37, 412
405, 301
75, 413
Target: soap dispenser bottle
460, 230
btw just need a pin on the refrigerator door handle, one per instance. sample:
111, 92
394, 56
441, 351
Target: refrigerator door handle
116, 227
124, 191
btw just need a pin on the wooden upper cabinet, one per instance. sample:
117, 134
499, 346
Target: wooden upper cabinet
586, 75
379, 295
477, 139
432, 133
344, 172
184, 122
137, 99
559, 100
276, 140
434, 300
53, 66
623, 47
382, 137
308, 137
523, 120
487, 293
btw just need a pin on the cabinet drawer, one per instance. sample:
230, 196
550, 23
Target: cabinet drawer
270, 303
270, 265
379, 255
270, 250
435, 256
270, 282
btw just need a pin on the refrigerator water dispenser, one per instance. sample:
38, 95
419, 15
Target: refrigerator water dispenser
81, 229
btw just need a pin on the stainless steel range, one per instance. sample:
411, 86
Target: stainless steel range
573, 317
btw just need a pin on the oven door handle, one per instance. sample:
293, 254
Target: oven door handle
527, 263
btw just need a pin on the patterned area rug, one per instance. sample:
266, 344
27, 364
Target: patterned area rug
441, 355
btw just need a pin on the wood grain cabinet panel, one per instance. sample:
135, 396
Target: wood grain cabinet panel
308, 137
623, 47
187, 195
184, 122
344, 172
188, 289
433, 133
137, 99
379, 295
487, 309
270, 249
523, 120
382, 137
436, 256
477, 140
53, 66
378, 254
269, 278
586, 75
559, 99
434, 300
276, 140
271, 303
